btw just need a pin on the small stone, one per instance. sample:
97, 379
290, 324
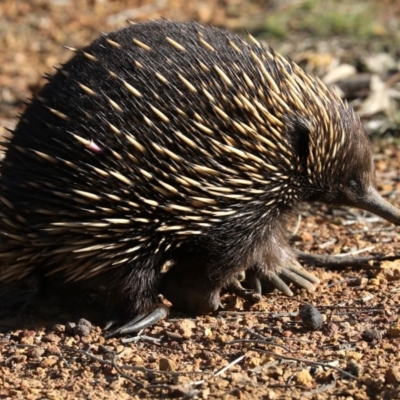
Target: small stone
108, 369
120, 349
5, 339
307, 237
82, 330
357, 281
69, 341
330, 329
165, 364
36, 352
371, 335
116, 385
392, 375
69, 327
136, 360
253, 359
27, 337
394, 331
53, 349
51, 337
354, 355
27, 333
58, 328
27, 340
208, 333
174, 336
185, 328
85, 322
354, 368
48, 361
20, 358
304, 378
311, 317
105, 349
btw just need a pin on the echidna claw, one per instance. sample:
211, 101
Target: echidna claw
300, 271
279, 284
108, 325
138, 323
292, 273
246, 293
297, 279
295, 274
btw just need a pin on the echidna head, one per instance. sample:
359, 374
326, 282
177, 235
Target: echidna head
343, 169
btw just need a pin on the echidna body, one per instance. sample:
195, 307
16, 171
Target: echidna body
166, 157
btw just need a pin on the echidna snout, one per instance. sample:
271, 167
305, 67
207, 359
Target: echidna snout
172, 144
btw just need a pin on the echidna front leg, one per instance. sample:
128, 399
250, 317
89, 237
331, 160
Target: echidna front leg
191, 283
190, 287
138, 323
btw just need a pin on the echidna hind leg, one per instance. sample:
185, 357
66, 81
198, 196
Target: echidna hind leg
295, 274
280, 279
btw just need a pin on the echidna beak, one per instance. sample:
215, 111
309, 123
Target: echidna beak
376, 204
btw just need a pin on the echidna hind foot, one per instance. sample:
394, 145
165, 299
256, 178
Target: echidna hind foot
262, 281
196, 277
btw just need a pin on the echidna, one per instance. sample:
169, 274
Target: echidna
166, 158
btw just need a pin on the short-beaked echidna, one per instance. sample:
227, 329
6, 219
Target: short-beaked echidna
166, 158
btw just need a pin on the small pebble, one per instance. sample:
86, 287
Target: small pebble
48, 361
69, 327
82, 330
394, 331
85, 322
330, 329
304, 378
166, 364
354, 368
5, 339
311, 317
51, 337
371, 335
53, 349
58, 328
392, 375
36, 352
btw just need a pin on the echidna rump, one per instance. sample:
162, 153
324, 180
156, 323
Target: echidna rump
166, 158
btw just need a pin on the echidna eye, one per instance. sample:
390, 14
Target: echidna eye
353, 184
